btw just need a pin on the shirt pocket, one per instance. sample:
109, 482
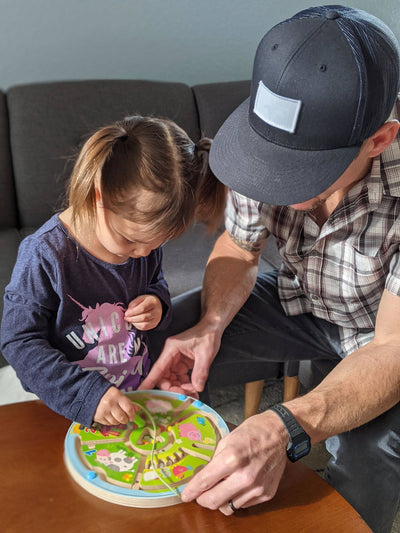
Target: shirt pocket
362, 277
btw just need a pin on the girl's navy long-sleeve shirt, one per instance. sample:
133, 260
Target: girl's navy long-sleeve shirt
63, 327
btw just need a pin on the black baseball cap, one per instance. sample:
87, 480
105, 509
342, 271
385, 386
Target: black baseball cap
323, 82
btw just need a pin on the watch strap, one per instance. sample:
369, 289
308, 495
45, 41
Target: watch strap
299, 441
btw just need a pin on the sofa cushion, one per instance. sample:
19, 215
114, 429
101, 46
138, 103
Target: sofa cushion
216, 101
9, 242
49, 122
184, 259
8, 211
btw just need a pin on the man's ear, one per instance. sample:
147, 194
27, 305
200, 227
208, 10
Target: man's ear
98, 197
380, 140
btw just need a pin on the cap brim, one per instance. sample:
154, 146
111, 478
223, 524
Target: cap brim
250, 165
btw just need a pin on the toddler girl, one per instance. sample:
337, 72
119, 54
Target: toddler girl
89, 282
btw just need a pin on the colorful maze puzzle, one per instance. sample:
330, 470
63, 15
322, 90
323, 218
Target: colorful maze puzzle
147, 462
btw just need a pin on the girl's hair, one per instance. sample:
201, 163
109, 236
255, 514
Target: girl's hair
147, 155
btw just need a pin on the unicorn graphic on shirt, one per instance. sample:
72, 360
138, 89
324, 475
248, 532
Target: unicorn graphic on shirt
119, 353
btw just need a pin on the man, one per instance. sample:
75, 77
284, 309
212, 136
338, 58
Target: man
313, 159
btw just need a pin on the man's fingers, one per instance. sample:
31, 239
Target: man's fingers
188, 389
177, 389
149, 382
222, 465
219, 496
241, 484
240, 501
171, 364
156, 374
199, 374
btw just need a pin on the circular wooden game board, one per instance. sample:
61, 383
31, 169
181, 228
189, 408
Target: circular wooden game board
145, 463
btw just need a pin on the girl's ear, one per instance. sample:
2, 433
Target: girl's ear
381, 139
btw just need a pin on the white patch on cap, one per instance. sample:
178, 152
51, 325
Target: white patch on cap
276, 110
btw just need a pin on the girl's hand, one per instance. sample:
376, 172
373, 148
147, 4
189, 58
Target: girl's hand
114, 408
144, 312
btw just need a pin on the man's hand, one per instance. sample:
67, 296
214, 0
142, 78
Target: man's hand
246, 468
144, 312
114, 408
185, 361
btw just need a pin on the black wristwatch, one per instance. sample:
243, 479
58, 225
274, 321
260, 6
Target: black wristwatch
299, 442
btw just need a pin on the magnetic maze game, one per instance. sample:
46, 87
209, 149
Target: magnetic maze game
147, 462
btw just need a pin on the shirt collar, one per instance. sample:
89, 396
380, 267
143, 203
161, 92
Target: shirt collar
384, 176
389, 161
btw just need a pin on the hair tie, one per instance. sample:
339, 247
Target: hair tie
124, 138
203, 145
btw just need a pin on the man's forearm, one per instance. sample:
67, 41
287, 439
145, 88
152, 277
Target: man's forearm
360, 388
228, 281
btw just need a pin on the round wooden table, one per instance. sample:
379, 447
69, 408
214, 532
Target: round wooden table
38, 495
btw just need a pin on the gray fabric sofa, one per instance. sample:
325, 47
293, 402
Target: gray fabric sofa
42, 127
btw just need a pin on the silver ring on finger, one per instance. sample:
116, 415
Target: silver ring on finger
234, 509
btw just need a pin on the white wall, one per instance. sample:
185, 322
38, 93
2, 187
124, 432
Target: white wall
193, 41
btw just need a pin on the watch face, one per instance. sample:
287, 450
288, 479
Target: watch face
301, 449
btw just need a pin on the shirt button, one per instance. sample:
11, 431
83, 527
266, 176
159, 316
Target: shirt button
314, 297
313, 253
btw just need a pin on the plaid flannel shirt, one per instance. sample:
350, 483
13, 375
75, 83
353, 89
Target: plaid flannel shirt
337, 272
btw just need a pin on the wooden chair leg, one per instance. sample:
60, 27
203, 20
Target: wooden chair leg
291, 387
252, 397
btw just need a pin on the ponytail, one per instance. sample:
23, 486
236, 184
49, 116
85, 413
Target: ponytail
210, 192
